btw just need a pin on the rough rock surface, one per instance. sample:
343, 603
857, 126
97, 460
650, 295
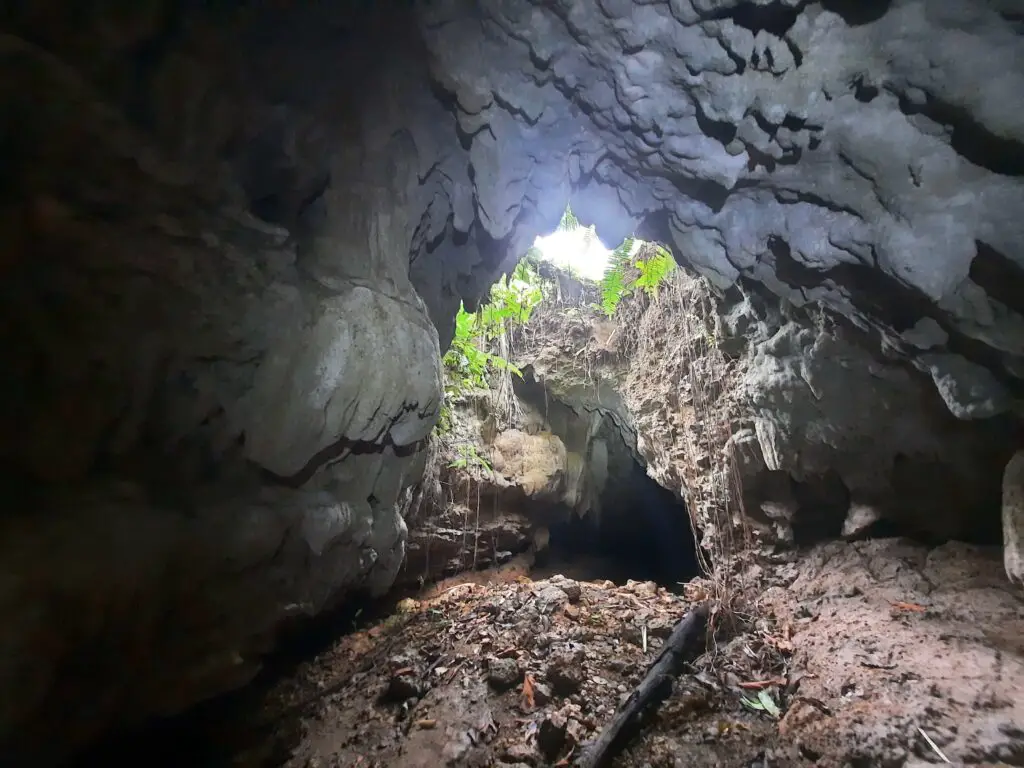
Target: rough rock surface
208, 426
492, 492
536, 463
787, 412
1013, 519
833, 153
231, 232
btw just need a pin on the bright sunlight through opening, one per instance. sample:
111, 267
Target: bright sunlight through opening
578, 249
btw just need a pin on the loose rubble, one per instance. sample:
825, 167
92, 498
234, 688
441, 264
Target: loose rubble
860, 657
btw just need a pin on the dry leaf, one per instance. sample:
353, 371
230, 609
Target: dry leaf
528, 702
914, 607
755, 685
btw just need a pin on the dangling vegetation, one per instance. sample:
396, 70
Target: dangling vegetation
569, 222
481, 337
654, 269
481, 346
613, 284
634, 265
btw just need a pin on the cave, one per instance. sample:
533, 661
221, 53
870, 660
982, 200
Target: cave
236, 237
643, 533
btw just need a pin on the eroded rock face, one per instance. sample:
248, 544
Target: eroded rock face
846, 157
210, 415
534, 463
230, 234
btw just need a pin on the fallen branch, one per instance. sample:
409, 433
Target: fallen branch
653, 689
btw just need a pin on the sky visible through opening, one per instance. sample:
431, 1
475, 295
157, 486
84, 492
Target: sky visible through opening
579, 249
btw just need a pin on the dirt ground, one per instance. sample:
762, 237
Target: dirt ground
860, 653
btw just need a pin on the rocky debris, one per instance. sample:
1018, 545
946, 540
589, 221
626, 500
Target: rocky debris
872, 641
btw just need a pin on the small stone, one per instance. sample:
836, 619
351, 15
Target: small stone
504, 674
551, 735
541, 694
571, 588
575, 732
520, 753
565, 679
550, 598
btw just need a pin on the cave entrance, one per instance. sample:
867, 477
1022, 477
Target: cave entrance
642, 532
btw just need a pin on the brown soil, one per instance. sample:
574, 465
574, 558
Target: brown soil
862, 647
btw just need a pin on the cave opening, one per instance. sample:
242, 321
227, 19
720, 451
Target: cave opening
642, 533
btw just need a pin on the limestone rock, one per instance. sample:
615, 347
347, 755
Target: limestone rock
534, 463
859, 518
1013, 519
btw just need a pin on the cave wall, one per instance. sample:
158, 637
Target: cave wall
838, 435
219, 376
235, 238
865, 157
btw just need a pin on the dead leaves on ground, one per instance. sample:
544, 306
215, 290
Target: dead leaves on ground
527, 694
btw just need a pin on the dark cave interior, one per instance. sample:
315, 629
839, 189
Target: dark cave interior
914, 512
642, 533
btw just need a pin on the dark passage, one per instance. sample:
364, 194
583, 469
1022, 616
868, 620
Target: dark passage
643, 533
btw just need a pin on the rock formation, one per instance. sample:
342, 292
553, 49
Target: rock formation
1013, 518
235, 238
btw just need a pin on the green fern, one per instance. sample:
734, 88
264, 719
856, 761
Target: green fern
613, 285
652, 265
569, 222
654, 270
469, 362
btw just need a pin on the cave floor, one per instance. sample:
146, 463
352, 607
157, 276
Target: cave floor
861, 647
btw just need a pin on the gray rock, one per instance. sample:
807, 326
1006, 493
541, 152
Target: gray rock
859, 518
549, 598
503, 674
520, 754
565, 678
